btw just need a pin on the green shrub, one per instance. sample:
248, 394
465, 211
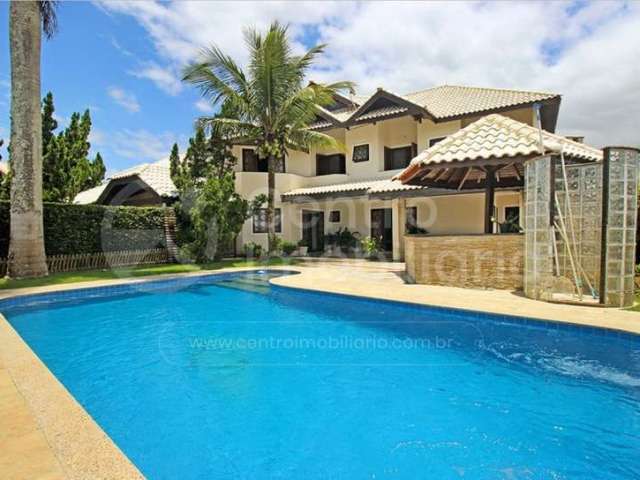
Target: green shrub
70, 229
253, 250
371, 247
288, 248
276, 245
344, 239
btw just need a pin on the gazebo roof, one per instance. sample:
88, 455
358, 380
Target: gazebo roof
493, 141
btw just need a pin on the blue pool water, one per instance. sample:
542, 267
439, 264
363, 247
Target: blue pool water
224, 377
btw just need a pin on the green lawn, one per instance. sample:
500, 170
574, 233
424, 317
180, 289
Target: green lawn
141, 271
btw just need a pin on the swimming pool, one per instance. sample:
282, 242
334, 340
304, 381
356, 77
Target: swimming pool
226, 377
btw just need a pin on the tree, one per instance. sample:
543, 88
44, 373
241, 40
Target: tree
269, 103
175, 165
26, 246
67, 169
195, 160
49, 123
210, 212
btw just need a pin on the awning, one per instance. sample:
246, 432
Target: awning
369, 187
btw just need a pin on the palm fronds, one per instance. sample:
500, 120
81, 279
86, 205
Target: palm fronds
49, 17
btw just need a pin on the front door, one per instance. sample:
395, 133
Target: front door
382, 228
313, 230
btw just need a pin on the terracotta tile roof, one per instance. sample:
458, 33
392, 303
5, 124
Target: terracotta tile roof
450, 101
496, 136
366, 187
441, 102
156, 175
320, 124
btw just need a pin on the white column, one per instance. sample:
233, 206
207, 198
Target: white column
399, 209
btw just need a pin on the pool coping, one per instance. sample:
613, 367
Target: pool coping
83, 450
609, 320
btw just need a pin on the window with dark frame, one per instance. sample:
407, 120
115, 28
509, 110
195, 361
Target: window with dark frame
252, 163
330, 164
260, 221
433, 141
334, 216
411, 220
360, 153
512, 214
397, 158
511, 223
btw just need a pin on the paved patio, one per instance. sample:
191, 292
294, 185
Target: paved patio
46, 434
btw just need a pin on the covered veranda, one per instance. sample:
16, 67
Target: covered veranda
489, 155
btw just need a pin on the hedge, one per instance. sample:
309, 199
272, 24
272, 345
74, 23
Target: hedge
70, 229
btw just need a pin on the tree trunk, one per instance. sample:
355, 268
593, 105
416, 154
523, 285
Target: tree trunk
26, 247
271, 181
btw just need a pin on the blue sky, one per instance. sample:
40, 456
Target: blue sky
92, 54
123, 59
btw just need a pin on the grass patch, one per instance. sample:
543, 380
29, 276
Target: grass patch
140, 271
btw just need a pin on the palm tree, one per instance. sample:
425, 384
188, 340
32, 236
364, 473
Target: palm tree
272, 106
26, 246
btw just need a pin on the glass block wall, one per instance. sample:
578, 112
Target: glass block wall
621, 167
580, 207
598, 203
538, 273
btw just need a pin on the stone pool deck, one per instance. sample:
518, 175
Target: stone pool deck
46, 434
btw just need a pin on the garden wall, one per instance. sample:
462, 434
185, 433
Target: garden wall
83, 229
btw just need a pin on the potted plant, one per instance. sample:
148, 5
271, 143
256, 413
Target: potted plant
303, 247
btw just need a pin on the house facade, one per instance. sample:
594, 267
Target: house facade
320, 192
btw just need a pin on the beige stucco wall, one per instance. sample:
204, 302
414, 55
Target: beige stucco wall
525, 115
426, 130
451, 214
461, 213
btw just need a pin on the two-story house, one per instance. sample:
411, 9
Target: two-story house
319, 192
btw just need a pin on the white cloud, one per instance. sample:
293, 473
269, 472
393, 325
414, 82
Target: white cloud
204, 106
141, 145
120, 48
587, 52
165, 78
125, 99
97, 137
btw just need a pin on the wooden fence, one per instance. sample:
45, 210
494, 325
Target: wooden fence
97, 261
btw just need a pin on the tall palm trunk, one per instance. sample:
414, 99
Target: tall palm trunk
271, 193
26, 247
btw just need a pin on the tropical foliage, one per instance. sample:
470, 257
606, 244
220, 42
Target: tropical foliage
66, 167
210, 212
269, 103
